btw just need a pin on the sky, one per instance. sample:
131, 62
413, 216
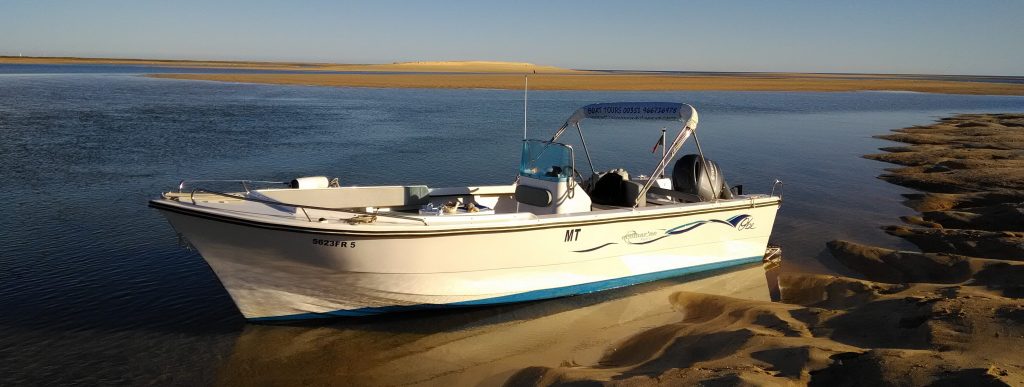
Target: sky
934, 37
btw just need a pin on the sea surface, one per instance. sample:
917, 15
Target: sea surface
95, 288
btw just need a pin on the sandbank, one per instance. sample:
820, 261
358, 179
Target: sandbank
476, 74
618, 81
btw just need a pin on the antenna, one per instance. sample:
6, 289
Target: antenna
526, 94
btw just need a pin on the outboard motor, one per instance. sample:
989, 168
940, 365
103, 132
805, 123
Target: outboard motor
688, 176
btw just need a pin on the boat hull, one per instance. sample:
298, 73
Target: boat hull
278, 273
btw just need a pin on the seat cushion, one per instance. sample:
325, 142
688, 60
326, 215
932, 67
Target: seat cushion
537, 197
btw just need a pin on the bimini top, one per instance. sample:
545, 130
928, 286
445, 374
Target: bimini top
671, 111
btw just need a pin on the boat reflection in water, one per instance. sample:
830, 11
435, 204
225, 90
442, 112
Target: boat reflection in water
471, 346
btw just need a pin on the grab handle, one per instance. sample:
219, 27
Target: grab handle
778, 184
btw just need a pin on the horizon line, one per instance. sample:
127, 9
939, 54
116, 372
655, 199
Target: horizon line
293, 62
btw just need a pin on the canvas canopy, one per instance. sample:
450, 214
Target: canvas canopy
670, 111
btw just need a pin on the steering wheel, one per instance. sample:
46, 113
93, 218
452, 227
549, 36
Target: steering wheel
576, 175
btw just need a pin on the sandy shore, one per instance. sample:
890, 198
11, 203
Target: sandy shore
952, 314
618, 81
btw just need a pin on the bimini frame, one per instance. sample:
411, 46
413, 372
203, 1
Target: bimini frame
670, 111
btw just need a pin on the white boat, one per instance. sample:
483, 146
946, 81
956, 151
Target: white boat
315, 249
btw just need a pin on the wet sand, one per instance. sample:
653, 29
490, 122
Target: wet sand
620, 81
952, 314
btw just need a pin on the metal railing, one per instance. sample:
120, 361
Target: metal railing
359, 218
777, 184
245, 183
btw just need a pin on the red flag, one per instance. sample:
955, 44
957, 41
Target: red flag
661, 141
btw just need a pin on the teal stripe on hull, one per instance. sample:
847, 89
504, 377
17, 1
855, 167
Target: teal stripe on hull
521, 297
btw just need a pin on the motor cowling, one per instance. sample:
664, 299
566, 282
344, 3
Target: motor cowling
691, 177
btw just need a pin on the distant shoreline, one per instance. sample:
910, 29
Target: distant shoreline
436, 66
509, 76
617, 82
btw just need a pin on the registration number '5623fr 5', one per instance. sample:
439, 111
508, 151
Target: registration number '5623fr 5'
334, 243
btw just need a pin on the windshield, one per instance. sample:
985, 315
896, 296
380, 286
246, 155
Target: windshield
546, 160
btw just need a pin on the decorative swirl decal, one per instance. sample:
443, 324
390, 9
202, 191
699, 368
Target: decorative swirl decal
742, 222
594, 248
738, 222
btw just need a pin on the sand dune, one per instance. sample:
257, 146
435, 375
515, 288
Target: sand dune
473, 66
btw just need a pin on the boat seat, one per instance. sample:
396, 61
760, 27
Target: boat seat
676, 195
631, 193
533, 196
614, 188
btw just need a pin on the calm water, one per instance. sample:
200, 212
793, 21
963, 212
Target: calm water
95, 289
